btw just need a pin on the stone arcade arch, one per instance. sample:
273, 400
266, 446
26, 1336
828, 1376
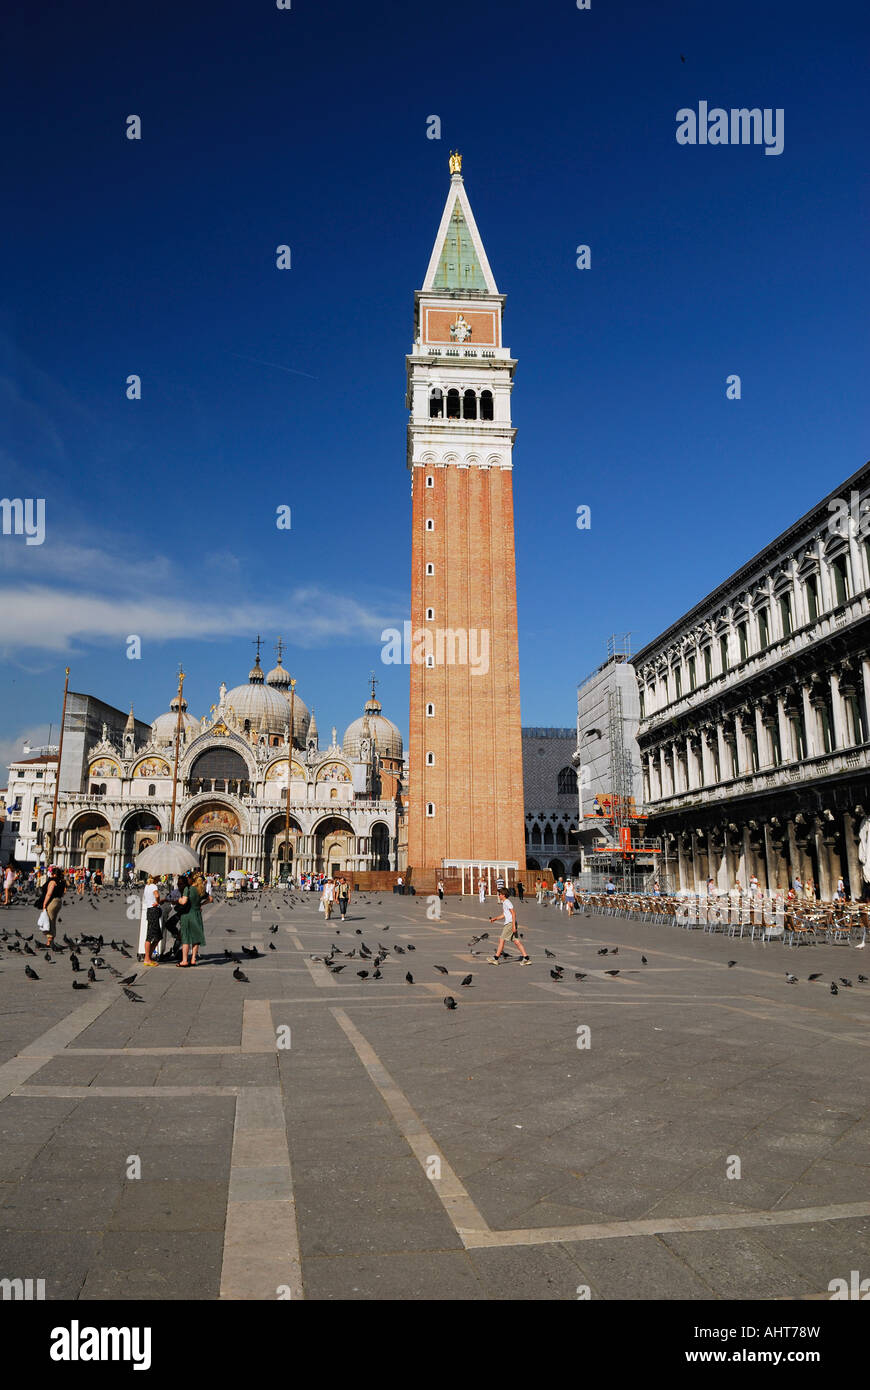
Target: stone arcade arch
138, 831
279, 855
334, 845
90, 841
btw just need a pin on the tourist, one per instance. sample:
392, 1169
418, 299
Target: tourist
151, 900
569, 897
54, 891
841, 891
481, 890
440, 890
9, 877
521, 890
558, 890
209, 884
191, 930
539, 890
97, 881
343, 896
809, 889
657, 892
610, 886
710, 887
326, 898
509, 931
797, 886
753, 886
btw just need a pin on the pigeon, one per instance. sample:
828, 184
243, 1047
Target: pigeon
817, 976
550, 954
31, 974
51, 962
411, 948
92, 975
442, 969
230, 931
555, 974
611, 972
644, 961
862, 979
409, 977
74, 962
376, 975
730, 963
122, 952
792, 979
579, 975
28, 950
834, 989
237, 975
399, 950
449, 1001
128, 979
602, 952
272, 947
133, 996
77, 984
467, 980
273, 930
847, 983
363, 974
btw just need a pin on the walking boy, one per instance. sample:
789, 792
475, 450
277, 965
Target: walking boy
509, 931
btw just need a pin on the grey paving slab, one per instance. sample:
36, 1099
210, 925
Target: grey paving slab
736, 1264
435, 1274
171, 1204
689, 1063
640, 1269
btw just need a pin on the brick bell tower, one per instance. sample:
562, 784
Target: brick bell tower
466, 792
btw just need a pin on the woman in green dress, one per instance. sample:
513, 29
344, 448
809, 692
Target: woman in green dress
190, 925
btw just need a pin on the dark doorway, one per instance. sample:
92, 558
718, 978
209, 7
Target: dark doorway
216, 863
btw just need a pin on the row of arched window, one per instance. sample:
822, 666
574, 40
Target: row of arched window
460, 405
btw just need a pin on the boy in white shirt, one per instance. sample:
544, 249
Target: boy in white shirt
509, 931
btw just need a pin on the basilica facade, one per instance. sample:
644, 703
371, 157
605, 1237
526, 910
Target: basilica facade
234, 763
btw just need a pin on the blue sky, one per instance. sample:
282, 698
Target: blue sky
264, 388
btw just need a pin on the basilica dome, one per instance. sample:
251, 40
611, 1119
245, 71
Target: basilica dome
376, 726
164, 726
266, 708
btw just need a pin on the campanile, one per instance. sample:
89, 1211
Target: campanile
466, 801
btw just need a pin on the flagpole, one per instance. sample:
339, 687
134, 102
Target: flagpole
289, 774
175, 769
57, 774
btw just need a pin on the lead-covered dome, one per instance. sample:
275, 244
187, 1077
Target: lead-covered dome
266, 709
375, 725
164, 726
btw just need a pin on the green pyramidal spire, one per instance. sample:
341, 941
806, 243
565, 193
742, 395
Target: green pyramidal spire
458, 265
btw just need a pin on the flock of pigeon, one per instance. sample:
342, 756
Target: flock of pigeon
336, 960
98, 967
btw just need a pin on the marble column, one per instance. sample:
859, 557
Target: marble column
856, 880
839, 731
825, 885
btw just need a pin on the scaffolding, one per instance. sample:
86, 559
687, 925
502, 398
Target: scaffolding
619, 818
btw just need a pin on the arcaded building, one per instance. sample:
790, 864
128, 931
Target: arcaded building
753, 731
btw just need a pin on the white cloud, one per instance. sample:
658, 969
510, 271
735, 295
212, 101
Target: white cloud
49, 618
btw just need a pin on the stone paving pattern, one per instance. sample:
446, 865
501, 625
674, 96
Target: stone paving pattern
690, 1063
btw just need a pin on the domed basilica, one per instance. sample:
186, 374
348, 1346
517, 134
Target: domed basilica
345, 803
